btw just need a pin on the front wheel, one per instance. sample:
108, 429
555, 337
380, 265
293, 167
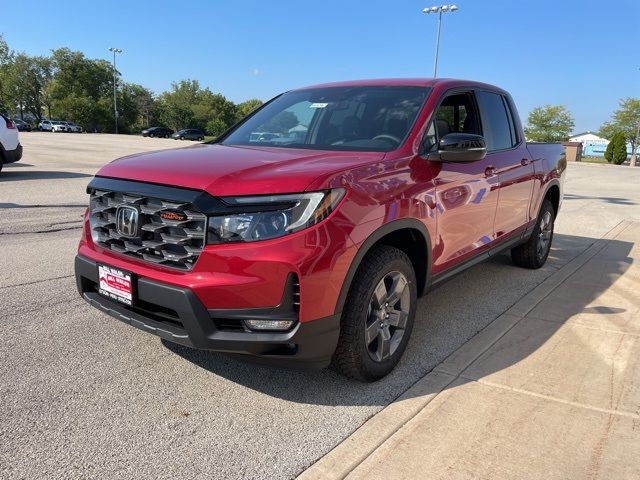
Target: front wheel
378, 316
534, 252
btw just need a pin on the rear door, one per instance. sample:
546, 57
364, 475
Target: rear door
508, 156
466, 192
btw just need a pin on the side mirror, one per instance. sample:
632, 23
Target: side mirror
460, 147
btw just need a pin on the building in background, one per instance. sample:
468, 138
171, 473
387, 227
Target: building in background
592, 144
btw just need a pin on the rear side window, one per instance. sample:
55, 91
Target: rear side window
496, 122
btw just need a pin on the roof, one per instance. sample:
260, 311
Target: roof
403, 82
587, 133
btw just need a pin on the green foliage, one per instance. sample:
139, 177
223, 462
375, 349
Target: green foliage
626, 119
25, 82
67, 85
281, 123
215, 127
619, 148
189, 106
245, 108
608, 153
616, 151
550, 123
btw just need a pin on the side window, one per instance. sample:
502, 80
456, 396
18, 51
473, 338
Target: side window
457, 113
498, 127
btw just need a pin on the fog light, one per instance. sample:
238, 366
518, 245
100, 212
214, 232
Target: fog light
269, 324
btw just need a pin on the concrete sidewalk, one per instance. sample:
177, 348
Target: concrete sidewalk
550, 389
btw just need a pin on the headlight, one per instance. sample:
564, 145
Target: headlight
271, 216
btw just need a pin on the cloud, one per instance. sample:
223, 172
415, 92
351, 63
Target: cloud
256, 72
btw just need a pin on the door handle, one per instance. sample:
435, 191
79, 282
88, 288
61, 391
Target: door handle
490, 172
525, 161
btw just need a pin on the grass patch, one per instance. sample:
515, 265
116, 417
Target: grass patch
589, 159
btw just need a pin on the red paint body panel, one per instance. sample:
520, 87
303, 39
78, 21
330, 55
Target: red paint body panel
464, 210
227, 170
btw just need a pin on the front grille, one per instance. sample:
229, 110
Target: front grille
173, 243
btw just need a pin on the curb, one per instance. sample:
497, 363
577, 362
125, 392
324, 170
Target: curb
352, 451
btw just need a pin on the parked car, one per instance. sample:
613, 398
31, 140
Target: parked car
314, 251
58, 126
189, 134
10, 147
74, 127
21, 125
161, 132
45, 126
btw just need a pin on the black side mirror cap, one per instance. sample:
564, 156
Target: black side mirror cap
460, 147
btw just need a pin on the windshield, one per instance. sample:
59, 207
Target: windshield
334, 118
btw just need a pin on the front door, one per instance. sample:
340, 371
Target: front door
466, 193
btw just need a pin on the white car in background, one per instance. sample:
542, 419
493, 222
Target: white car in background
74, 127
57, 126
45, 126
10, 148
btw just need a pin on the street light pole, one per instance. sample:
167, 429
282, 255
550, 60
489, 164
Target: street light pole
115, 101
439, 10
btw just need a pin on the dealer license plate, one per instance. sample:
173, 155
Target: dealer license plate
115, 284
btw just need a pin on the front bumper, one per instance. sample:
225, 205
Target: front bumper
176, 314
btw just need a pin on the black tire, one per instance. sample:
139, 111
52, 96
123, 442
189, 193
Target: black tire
534, 252
181, 138
152, 135
355, 357
200, 139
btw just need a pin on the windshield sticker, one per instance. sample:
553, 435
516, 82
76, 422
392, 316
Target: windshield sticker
318, 105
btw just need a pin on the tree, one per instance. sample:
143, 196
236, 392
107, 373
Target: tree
281, 123
608, 153
215, 127
189, 106
245, 108
620, 149
175, 111
26, 81
73, 87
81, 90
616, 151
627, 120
6, 58
550, 123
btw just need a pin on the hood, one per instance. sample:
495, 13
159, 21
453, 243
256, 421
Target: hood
233, 170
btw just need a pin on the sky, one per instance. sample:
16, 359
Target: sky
581, 54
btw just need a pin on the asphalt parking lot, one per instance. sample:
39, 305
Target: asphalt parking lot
86, 396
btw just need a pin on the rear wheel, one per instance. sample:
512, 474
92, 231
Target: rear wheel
533, 254
200, 139
378, 316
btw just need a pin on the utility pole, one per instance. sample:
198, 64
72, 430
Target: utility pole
115, 101
439, 10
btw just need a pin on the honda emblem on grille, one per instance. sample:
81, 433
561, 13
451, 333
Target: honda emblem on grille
127, 221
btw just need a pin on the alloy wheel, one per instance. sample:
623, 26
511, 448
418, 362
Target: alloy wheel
387, 316
544, 235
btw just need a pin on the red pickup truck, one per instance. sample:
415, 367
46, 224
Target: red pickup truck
306, 233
